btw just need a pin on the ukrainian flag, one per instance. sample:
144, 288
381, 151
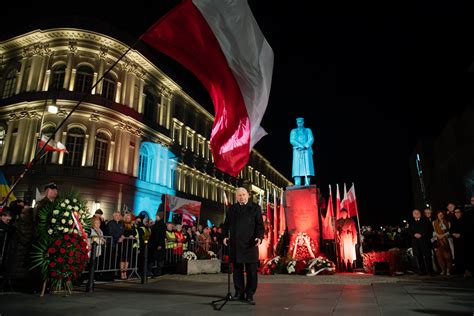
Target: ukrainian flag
5, 188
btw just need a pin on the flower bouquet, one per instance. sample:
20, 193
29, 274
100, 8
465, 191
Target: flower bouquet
211, 255
61, 252
320, 265
189, 255
273, 266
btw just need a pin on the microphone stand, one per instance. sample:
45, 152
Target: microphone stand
228, 296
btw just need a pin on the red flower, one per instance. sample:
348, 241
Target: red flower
71, 253
70, 260
53, 273
73, 240
51, 250
66, 237
57, 242
62, 250
52, 264
78, 246
60, 259
68, 244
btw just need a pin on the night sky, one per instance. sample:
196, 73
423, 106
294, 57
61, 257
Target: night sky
368, 79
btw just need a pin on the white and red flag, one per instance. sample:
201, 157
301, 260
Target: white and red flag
338, 203
328, 220
282, 215
221, 43
351, 202
52, 145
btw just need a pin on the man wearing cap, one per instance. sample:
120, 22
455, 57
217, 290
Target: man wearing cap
50, 195
302, 138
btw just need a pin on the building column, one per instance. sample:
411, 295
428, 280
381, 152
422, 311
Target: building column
73, 80
110, 159
136, 155
33, 76
29, 139
125, 152
94, 81
42, 72
91, 141
57, 138
8, 138
118, 145
47, 77
140, 95
100, 73
63, 136
68, 71
131, 91
85, 150
21, 74
118, 93
17, 157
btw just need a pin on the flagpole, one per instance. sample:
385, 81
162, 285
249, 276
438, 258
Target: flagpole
85, 95
358, 223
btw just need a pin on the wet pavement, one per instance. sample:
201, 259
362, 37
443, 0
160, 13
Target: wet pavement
341, 294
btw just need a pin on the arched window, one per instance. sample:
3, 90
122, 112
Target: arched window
57, 77
108, 88
9, 84
84, 77
75, 147
46, 156
150, 107
100, 151
143, 164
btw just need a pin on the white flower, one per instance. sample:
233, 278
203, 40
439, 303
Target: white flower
60, 228
63, 221
53, 220
63, 205
189, 255
67, 201
76, 208
66, 214
75, 230
50, 231
55, 212
74, 200
70, 222
66, 230
69, 207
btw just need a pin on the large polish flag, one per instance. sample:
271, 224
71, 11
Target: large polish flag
221, 43
338, 203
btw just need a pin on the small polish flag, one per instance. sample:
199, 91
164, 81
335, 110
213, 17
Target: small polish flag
52, 145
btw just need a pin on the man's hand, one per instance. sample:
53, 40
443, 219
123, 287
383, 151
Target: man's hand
417, 235
456, 235
226, 241
258, 241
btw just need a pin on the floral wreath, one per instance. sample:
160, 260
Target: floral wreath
319, 265
62, 250
189, 255
302, 239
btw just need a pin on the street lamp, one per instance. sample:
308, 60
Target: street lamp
52, 108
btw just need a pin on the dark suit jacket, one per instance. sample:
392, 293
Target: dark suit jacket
244, 223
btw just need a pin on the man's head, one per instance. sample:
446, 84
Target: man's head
117, 216
242, 195
170, 226
416, 214
299, 121
159, 216
458, 213
472, 200
450, 207
428, 212
51, 191
344, 213
6, 216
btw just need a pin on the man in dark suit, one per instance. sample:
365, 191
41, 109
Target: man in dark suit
244, 225
420, 233
156, 245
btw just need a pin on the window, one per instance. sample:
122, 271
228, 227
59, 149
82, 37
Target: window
100, 151
75, 147
46, 156
150, 108
10, 84
84, 77
57, 78
143, 164
108, 88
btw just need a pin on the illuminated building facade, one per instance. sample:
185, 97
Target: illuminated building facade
137, 136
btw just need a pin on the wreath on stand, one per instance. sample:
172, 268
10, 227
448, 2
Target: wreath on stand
62, 249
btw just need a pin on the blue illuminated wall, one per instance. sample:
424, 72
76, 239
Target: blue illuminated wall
156, 168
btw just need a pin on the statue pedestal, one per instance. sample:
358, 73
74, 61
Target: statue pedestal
302, 216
